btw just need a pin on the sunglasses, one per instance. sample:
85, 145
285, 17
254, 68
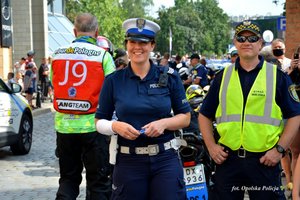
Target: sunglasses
251, 39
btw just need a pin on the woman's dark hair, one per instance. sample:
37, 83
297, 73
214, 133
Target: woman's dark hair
120, 62
119, 53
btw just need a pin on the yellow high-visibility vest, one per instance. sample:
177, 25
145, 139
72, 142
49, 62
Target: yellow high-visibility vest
260, 126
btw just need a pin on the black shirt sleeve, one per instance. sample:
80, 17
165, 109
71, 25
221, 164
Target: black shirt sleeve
289, 107
211, 101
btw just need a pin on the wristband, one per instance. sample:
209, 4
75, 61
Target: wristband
104, 127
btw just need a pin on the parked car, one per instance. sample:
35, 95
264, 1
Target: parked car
217, 65
16, 121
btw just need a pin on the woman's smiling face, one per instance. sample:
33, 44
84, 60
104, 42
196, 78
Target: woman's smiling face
139, 52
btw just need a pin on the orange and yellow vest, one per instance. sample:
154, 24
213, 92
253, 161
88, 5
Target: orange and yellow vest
71, 76
77, 78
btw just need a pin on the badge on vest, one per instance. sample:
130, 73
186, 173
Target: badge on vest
73, 105
293, 92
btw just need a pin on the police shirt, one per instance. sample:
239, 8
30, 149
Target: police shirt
139, 102
200, 72
287, 104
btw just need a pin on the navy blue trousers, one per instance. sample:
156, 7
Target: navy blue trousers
236, 175
144, 177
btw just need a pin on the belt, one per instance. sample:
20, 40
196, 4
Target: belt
153, 149
242, 153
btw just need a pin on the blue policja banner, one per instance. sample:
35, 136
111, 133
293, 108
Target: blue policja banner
6, 28
197, 192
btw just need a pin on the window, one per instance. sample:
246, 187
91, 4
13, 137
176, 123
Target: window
56, 6
60, 32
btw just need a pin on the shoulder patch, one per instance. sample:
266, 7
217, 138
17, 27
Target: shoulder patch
279, 69
219, 71
170, 70
293, 90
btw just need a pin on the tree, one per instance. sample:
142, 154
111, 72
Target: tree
136, 8
217, 25
110, 14
197, 26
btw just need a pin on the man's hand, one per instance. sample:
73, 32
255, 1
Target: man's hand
271, 158
218, 154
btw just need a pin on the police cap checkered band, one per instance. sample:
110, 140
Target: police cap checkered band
248, 26
140, 29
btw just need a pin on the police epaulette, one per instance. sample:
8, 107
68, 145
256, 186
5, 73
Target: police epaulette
217, 72
167, 70
170, 70
282, 70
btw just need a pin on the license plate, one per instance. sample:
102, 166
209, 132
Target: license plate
194, 175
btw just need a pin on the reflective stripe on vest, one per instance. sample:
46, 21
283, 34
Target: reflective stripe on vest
233, 129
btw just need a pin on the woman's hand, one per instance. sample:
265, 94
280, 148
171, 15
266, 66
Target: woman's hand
125, 130
155, 128
295, 64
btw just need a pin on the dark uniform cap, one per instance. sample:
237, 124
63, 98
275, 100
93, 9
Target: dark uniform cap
233, 53
139, 29
30, 53
195, 55
248, 26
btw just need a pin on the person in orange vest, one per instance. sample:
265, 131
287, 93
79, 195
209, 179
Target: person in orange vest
79, 70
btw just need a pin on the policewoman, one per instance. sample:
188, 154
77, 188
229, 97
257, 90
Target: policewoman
144, 97
249, 100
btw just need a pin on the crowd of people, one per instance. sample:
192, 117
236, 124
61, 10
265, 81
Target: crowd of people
254, 101
30, 77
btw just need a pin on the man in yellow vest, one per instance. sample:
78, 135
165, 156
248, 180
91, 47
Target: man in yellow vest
248, 100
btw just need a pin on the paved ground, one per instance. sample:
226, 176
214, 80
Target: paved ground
34, 176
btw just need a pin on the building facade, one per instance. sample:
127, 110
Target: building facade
292, 38
38, 25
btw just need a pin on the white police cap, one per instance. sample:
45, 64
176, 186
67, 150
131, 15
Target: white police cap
139, 29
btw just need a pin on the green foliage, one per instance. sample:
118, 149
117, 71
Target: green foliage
136, 8
110, 14
197, 26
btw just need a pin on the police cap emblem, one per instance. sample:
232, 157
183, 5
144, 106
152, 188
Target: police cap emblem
140, 24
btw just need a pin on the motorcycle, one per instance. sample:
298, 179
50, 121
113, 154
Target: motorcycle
197, 165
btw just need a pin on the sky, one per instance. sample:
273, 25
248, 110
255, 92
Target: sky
239, 7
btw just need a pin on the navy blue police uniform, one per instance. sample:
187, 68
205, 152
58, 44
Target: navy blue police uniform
147, 167
245, 167
201, 71
139, 102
